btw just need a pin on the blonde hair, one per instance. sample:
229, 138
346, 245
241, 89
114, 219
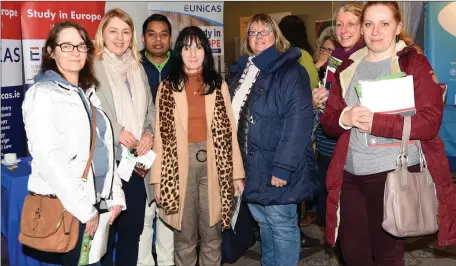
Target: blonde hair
353, 7
122, 15
281, 43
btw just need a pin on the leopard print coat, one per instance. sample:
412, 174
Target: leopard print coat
222, 138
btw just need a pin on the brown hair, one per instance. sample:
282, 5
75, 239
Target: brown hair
394, 7
86, 75
122, 15
281, 43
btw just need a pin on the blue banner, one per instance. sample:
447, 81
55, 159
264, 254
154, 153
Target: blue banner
440, 43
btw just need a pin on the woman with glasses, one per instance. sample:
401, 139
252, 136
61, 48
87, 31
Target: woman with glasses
327, 47
198, 169
125, 95
272, 105
58, 122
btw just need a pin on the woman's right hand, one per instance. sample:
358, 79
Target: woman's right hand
321, 61
358, 116
319, 97
127, 139
157, 193
91, 225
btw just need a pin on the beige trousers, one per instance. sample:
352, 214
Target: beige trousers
195, 220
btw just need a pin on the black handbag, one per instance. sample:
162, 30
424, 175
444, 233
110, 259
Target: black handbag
235, 243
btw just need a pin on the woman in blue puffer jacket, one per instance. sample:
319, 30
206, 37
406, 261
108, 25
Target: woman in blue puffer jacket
272, 104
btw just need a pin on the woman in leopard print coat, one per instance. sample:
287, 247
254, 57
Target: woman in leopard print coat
198, 168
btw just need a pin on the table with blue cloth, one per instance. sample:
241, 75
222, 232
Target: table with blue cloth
448, 134
14, 190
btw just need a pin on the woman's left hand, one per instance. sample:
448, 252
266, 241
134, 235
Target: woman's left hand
277, 182
145, 144
238, 186
115, 211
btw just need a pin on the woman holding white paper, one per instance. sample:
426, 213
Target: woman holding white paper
126, 97
357, 174
58, 121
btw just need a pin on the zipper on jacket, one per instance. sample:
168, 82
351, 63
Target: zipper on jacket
159, 76
90, 123
110, 196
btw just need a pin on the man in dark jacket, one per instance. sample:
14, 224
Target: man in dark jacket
156, 62
156, 55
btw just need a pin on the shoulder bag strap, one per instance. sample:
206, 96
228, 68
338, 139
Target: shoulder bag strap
402, 159
92, 143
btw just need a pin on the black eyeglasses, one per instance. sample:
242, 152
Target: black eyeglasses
68, 47
328, 50
252, 33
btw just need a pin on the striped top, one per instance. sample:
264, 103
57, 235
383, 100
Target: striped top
325, 144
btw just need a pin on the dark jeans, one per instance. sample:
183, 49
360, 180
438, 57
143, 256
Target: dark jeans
323, 164
128, 226
319, 201
71, 258
362, 238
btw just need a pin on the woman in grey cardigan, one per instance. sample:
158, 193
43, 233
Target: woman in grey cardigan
125, 96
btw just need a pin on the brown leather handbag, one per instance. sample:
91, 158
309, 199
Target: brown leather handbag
45, 224
410, 200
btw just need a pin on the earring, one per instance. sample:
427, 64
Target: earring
397, 38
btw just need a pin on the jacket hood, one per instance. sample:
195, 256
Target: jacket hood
51, 75
269, 60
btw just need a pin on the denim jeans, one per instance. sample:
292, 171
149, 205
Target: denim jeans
280, 238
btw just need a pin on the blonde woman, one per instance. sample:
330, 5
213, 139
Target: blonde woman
125, 96
272, 105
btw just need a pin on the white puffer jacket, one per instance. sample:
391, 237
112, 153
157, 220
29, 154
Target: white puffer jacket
58, 129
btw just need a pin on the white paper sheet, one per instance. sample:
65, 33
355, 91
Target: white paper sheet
99, 243
389, 96
126, 165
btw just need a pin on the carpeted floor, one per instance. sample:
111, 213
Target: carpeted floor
419, 252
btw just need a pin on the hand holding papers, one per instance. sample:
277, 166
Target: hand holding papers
129, 163
393, 94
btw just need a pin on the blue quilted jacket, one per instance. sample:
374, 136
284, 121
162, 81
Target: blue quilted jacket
276, 136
